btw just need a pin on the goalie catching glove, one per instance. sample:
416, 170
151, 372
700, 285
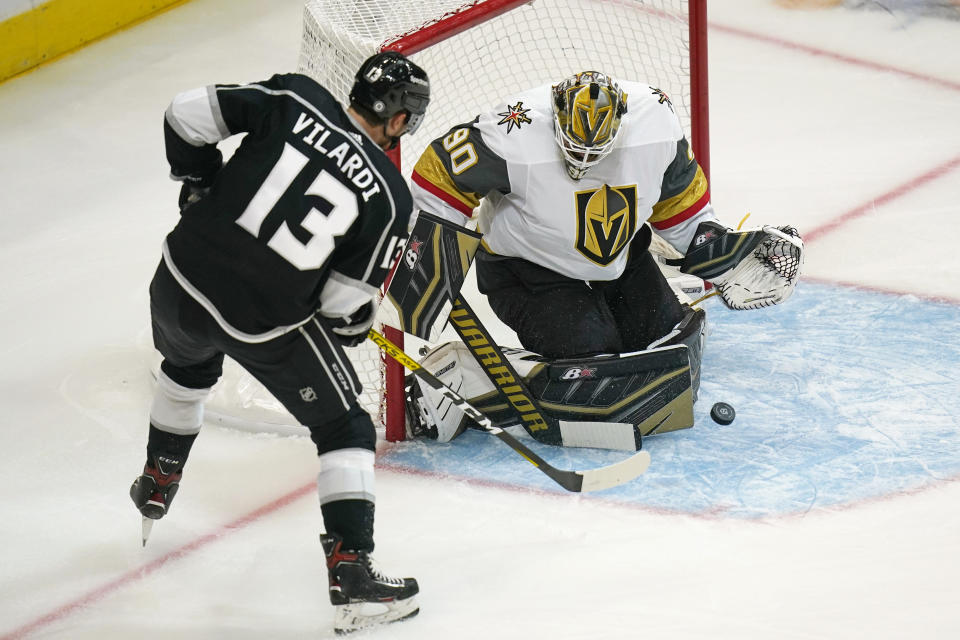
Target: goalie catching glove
750, 269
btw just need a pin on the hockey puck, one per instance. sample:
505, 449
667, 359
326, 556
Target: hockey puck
722, 413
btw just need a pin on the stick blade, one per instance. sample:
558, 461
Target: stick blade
615, 474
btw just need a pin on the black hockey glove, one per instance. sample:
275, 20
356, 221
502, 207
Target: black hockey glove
197, 184
190, 194
352, 329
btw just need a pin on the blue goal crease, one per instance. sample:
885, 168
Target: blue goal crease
841, 395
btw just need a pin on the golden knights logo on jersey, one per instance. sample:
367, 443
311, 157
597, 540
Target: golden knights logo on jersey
606, 220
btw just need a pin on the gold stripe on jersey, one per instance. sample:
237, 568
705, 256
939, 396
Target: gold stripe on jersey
431, 169
680, 203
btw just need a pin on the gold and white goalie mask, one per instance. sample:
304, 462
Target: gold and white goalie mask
587, 109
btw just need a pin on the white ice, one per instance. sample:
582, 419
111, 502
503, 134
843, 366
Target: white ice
817, 117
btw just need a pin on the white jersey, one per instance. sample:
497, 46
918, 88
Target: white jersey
532, 209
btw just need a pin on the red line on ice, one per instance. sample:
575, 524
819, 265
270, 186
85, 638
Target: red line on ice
895, 193
139, 573
870, 206
839, 57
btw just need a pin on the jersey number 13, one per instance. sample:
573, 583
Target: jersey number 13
313, 253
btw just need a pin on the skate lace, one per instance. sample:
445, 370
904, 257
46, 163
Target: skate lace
378, 575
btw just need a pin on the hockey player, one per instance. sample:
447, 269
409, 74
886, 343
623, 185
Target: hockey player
276, 261
568, 181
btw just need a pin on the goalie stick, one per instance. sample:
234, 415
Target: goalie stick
575, 481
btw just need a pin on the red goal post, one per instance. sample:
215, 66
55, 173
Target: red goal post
479, 52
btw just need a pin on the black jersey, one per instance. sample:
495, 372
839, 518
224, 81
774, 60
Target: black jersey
307, 212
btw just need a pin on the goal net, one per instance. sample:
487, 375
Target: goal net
475, 54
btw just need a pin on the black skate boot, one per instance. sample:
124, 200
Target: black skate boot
363, 597
153, 492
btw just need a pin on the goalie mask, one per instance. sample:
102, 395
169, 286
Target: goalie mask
388, 83
587, 109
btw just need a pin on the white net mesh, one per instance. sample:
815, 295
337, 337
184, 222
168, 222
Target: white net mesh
532, 44
538, 43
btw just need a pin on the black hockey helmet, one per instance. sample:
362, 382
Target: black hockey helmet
387, 83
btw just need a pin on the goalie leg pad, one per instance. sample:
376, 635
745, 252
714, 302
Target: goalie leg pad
692, 332
652, 389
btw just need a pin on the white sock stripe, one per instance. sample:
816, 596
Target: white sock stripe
175, 408
353, 457
177, 390
157, 420
346, 474
356, 495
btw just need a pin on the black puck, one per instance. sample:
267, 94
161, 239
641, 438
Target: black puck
722, 413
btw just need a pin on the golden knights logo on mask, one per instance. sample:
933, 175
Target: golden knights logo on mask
606, 220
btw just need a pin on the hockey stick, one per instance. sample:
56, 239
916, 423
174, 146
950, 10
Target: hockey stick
576, 481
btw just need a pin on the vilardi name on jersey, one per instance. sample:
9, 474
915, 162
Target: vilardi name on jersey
532, 209
349, 166
305, 211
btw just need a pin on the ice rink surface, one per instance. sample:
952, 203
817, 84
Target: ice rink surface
828, 509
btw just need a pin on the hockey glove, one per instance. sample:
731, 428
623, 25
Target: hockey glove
351, 330
751, 269
190, 194
196, 185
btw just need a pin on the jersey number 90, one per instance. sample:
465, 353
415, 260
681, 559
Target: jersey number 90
462, 153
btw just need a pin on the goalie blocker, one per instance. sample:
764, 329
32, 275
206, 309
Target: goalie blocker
652, 389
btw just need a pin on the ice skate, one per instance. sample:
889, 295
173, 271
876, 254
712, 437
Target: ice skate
361, 595
153, 491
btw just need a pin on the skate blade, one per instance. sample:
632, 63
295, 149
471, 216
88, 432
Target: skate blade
145, 528
365, 615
